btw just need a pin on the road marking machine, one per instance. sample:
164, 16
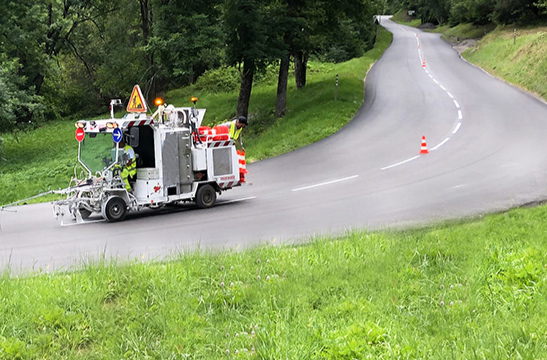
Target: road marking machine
177, 160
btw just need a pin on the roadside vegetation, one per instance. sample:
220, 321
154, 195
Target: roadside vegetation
521, 60
462, 290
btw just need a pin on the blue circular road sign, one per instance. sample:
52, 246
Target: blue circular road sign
117, 135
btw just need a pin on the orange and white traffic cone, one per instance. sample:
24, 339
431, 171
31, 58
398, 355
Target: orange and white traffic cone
424, 150
423, 63
242, 166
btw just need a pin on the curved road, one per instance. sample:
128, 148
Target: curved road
487, 153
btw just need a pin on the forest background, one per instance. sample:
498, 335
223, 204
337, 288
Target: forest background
68, 58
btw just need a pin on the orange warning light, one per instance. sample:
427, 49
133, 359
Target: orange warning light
158, 101
194, 99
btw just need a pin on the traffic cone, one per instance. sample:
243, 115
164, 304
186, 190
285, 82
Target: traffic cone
424, 150
423, 63
242, 166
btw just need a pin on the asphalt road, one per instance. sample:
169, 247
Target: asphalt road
487, 153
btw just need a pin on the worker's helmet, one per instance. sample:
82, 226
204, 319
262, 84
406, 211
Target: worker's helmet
243, 120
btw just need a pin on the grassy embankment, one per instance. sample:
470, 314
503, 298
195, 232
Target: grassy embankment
522, 63
44, 159
467, 290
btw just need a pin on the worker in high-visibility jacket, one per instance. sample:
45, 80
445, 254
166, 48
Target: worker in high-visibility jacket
128, 162
235, 127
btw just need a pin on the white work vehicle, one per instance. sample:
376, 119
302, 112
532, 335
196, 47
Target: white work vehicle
175, 163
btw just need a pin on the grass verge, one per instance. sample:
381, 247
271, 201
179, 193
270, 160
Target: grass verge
522, 62
44, 159
468, 290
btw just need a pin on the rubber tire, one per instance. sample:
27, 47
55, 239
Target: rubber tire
115, 209
206, 196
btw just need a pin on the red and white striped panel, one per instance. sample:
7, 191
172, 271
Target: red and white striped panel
226, 185
215, 144
138, 123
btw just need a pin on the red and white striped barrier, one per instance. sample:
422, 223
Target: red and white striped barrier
138, 123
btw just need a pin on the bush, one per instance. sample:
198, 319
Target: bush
223, 79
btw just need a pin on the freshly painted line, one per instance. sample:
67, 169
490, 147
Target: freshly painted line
238, 200
325, 183
457, 128
440, 144
460, 115
456, 103
400, 163
83, 223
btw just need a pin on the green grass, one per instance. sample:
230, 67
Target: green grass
458, 291
464, 31
523, 64
44, 159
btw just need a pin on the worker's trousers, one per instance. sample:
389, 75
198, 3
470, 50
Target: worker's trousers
126, 173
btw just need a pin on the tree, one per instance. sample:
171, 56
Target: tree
187, 39
246, 44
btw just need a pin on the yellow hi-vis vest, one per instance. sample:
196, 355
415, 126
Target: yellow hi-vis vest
132, 169
234, 131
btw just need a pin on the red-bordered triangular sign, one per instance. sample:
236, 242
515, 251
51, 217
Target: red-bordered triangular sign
136, 101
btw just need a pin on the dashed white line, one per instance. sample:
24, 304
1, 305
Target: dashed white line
457, 128
325, 183
449, 94
460, 115
400, 163
440, 144
456, 103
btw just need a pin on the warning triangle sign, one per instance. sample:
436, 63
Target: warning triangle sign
136, 101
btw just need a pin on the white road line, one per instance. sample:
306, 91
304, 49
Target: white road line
460, 115
442, 87
449, 94
325, 183
238, 200
435, 81
456, 103
83, 223
457, 128
400, 163
440, 144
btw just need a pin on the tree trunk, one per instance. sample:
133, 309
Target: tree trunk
281, 102
300, 67
246, 88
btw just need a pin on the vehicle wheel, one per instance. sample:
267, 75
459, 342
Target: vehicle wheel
115, 209
206, 196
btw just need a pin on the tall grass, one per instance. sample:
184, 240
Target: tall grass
44, 159
468, 290
522, 62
